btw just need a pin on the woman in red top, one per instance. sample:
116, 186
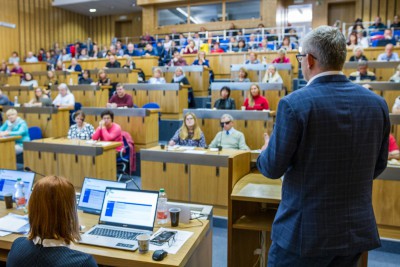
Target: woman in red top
282, 57
217, 49
108, 130
394, 152
255, 101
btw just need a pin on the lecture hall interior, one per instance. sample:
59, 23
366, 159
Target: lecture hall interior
180, 94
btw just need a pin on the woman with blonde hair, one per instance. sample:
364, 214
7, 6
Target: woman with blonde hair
189, 134
103, 79
15, 126
272, 76
157, 77
242, 76
54, 225
40, 99
255, 101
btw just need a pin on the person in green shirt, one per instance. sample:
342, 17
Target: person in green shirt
229, 138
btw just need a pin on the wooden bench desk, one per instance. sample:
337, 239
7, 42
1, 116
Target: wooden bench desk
383, 70
24, 93
74, 159
198, 76
117, 75
141, 123
7, 154
191, 177
196, 252
66, 77
90, 95
171, 97
388, 90
54, 122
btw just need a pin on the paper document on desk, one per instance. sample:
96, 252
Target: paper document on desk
14, 223
180, 238
195, 151
4, 233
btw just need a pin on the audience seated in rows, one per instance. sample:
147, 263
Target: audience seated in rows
242, 76
4, 68
217, 49
40, 99
81, 129
229, 137
394, 152
64, 99
108, 130
389, 55
189, 134
120, 99
74, 66
396, 22
282, 57
31, 58
14, 58
272, 76
112, 63
17, 68
358, 54
353, 41
103, 79
95, 53
225, 102
255, 101
252, 59
362, 73
15, 126
28, 80
85, 78
190, 48
149, 51
129, 63
177, 60
157, 77
180, 77
377, 25
201, 60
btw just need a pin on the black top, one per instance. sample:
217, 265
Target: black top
85, 81
353, 58
24, 253
115, 65
185, 81
225, 104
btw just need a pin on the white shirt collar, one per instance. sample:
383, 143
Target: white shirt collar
49, 242
326, 73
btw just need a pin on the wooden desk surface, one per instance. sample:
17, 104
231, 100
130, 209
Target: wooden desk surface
9, 138
115, 257
65, 141
257, 188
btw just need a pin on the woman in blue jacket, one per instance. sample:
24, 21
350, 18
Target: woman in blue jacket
15, 126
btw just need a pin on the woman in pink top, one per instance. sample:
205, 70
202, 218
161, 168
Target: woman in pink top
108, 130
255, 101
282, 57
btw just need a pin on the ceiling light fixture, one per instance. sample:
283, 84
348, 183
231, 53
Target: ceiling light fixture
92, 10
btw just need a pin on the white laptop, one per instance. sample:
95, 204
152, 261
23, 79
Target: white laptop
8, 178
125, 214
92, 194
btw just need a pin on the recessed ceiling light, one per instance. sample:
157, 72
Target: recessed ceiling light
92, 10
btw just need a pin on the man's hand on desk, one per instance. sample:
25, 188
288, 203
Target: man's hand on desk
171, 143
266, 141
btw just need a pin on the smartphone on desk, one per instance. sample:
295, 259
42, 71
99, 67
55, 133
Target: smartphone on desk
162, 238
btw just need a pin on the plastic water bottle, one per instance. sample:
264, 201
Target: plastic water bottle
162, 207
71, 82
358, 77
16, 101
19, 195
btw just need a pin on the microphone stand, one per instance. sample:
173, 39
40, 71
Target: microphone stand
30, 170
220, 141
45, 128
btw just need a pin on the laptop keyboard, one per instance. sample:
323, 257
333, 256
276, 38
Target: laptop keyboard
115, 233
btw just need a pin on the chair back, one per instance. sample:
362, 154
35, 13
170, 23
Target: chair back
35, 133
151, 105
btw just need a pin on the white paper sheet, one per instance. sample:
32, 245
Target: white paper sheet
4, 233
14, 223
195, 151
180, 238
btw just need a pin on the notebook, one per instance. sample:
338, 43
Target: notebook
125, 213
92, 194
8, 178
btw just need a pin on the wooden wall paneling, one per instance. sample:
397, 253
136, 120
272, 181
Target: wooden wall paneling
375, 9
367, 10
383, 10
393, 9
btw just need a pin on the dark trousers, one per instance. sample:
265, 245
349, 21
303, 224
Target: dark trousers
279, 257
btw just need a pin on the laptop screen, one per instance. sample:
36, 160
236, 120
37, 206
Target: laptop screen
8, 178
92, 194
129, 208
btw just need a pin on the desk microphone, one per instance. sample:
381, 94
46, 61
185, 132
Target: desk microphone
220, 141
30, 170
45, 128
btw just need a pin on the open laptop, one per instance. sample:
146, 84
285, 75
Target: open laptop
8, 178
125, 214
92, 194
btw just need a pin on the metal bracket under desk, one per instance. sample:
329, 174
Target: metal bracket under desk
185, 158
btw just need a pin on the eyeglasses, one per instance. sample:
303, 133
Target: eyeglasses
299, 57
226, 122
